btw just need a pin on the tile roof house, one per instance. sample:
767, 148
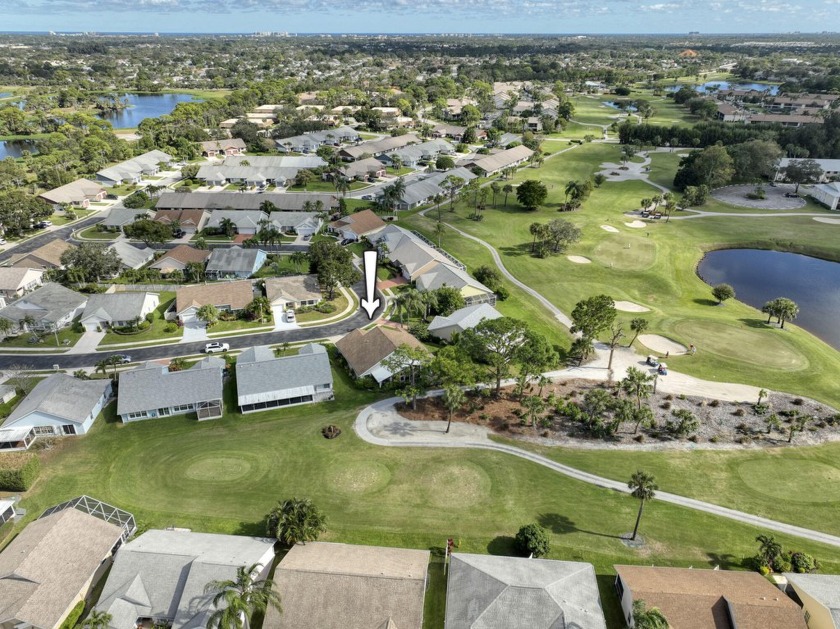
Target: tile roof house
60, 405
133, 170
47, 256
509, 158
462, 319
189, 221
820, 596
228, 296
79, 193
445, 274
301, 223
364, 350
119, 217
416, 154
117, 309
342, 586
152, 391
378, 147
704, 599
234, 262
490, 592
293, 291
247, 222
178, 258
162, 575
354, 226
365, 169
230, 146
132, 257
284, 201
48, 308
17, 280
264, 381
50, 566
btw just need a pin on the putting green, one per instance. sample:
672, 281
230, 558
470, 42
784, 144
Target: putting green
739, 342
796, 480
628, 252
456, 485
218, 468
362, 477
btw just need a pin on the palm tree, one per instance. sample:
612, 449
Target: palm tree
453, 398
534, 405
97, 620
298, 259
638, 384
643, 487
638, 325
440, 229
496, 189
228, 227
295, 520
644, 618
5, 327
787, 310
409, 302
342, 186
208, 313
237, 600
430, 301
507, 189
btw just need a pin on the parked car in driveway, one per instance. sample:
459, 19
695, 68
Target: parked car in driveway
367, 197
290, 316
214, 347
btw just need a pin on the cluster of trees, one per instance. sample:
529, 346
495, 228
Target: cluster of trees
333, 264
531, 194
442, 301
553, 237
492, 279
88, 262
782, 308
19, 211
771, 557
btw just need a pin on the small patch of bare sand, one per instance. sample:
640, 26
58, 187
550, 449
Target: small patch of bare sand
629, 306
662, 344
636, 224
579, 259
822, 219
609, 228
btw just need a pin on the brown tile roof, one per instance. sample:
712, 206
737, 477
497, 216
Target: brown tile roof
368, 587
359, 223
293, 288
362, 349
73, 192
45, 255
185, 254
704, 599
184, 217
235, 295
41, 574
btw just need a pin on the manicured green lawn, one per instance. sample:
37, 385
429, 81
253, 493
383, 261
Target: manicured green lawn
236, 326
225, 475
156, 332
663, 167
279, 265
326, 186
47, 340
123, 190
58, 218
340, 302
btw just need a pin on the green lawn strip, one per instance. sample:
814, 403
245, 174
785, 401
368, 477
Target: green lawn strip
23, 137
340, 302
47, 340
156, 332
236, 326
326, 186
279, 265
663, 167
58, 218
654, 266
769, 482
592, 110
225, 475
123, 189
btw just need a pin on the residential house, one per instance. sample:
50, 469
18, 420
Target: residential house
365, 350
785, 120
421, 191
223, 148
703, 599
234, 262
419, 154
448, 274
225, 296
454, 108
377, 147
247, 222
502, 592
452, 132
408, 252
48, 308
8, 392
462, 319
356, 226
178, 258
258, 171
188, 221
830, 168
52, 565
264, 381
47, 256
301, 223
827, 193
119, 217
293, 291
534, 123
132, 257
17, 280
60, 405
279, 201
341, 586
509, 158
152, 391
115, 310
730, 113
79, 193
133, 170
161, 577
820, 597
310, 142
364, 169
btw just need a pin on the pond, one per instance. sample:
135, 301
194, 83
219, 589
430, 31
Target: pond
759, 276
142, 106
5, 94
615, 105
15, 148
725, 85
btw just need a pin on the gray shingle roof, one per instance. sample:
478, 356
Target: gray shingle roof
62, 396
47, 304
239, 201
135, 166
153, 386
489, 592
123, 306
233, 259
243, 219
447, 275
465, 318
131, 256
119, 216
825, 588
261, 377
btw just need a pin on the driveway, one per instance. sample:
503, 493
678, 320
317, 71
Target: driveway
194, 330
280, 322
88, 343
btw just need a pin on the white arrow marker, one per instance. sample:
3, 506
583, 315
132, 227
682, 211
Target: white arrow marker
370, 304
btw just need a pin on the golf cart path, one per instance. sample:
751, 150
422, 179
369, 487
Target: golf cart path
380, 424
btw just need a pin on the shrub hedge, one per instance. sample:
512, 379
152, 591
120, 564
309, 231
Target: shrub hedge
18, 470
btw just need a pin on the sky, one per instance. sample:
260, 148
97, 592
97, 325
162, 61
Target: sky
421, 16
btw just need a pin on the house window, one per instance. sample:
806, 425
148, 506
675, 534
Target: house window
67, 429
164, 412
182, 408
44, 430
138, 415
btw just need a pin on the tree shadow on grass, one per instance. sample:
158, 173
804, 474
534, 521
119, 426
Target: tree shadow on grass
760, 324
523, 249
728, 561
502, 545
251, 529
561, 525
706, 302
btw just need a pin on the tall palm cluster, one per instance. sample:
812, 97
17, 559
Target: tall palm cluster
412, 302
392, 196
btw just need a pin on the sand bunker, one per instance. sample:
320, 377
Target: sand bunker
629, 306
609, 228
661, 344
579, 259
636, 224
833, 221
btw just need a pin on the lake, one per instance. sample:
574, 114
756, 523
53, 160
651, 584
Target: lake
614, 105
14, 148
142, 106
725, 85
759, 276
